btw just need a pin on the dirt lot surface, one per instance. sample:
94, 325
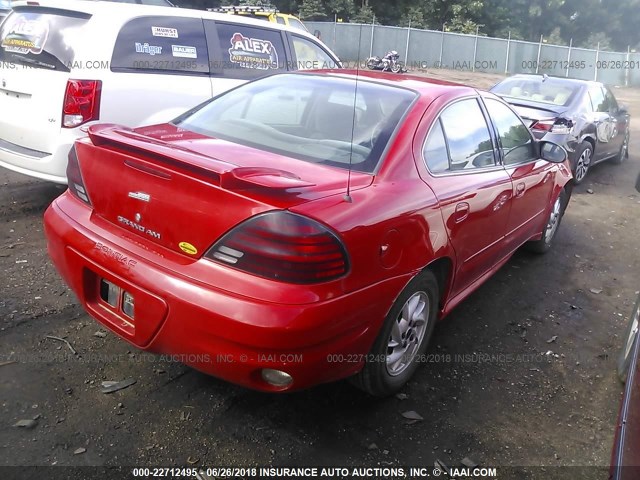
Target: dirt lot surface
522, 373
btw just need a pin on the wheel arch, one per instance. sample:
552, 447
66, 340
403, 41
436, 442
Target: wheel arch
591, 140
442, 268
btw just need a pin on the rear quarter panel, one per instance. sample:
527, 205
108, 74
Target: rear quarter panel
392, 228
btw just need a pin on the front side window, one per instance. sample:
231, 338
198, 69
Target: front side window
311, 118
40, 40
161, 44
515, 140
310, 56
467, 135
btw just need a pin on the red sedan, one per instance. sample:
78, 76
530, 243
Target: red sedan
303, 228
625, 458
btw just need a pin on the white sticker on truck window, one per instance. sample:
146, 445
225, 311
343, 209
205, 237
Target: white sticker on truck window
148, 49
164, 32
183, 51
253, 53
26, 36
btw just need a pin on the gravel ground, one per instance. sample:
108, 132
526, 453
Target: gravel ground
521, 375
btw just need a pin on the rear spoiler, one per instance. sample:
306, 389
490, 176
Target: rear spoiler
226, 175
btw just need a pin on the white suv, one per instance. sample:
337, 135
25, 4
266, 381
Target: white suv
66, 65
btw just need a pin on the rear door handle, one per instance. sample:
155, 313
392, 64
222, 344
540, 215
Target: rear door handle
462, 212
520, 188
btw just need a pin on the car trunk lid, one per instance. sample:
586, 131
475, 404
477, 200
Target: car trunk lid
185, 199
532, 112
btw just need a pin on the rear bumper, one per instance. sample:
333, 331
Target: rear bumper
221, 333
47, 166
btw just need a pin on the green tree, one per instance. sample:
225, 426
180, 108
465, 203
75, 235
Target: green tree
365, 14
598, 40
414, 17
312, 10
343, 9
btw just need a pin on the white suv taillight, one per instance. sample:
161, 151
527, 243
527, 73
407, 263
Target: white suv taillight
81, 102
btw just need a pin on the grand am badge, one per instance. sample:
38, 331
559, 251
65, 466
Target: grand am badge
138, 227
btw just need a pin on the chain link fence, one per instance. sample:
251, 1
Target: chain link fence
425, 49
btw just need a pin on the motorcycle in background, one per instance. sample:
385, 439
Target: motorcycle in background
390, 62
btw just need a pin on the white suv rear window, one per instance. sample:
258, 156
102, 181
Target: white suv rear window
35, 38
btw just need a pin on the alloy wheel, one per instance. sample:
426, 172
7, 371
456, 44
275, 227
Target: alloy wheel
582, 165
407, 333
554, 221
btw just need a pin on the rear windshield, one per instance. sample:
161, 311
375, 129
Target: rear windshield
319, 119
551, 90
39, 40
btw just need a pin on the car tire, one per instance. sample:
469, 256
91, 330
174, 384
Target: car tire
403, 339
584, 157
623, 154
553, 223
630, 339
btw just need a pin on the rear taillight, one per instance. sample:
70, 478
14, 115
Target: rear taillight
283, 246
81, 102
74, 178
553, 125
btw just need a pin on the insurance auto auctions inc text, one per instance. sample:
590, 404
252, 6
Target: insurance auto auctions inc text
373, 472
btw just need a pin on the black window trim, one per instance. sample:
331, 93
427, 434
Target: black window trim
499, 149
498, 163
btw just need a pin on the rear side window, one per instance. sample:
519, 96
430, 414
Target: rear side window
40, 40
247, 52
597, 99
162, 44
435, 150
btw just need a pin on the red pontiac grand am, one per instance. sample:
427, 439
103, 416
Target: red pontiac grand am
303, 228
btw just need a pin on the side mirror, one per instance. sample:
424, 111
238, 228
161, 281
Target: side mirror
638, 183
623, 109
552, 152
